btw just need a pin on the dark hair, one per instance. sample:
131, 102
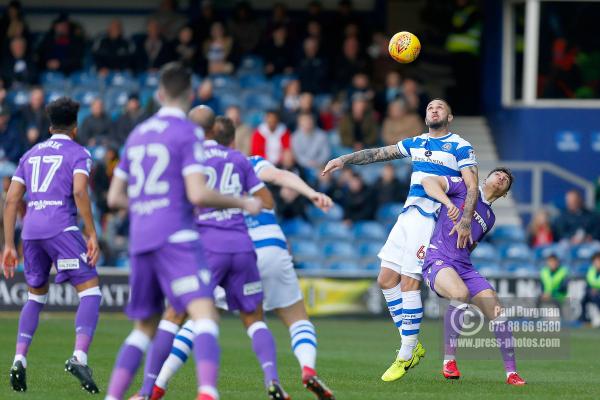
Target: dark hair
224, 131
507, 171
272, 111
175, 79
62, 113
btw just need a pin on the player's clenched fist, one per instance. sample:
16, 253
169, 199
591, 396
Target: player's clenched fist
453, 212
333, 165
252, 205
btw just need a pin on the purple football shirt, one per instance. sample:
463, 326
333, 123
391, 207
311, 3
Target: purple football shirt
228, 171
158, 154
47, 171
442, 246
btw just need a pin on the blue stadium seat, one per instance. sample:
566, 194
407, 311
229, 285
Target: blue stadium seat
122, 262
251, 63
336, 213
583, 253
488, 268
521, 269
18, 98
322, 101
53, 79
253, 117
485, 252
340, 250
230, 99
249, 81
53, 94
370, 173
309, 265
115, 97
388, 213
334, 230
87, 80
369, 230
123, 79
224, 83
508, 233
148, 79
369, 249
337, 151
511, 252
580, 268
298, 228
279, 82
542, 252
258, 100
346, 265
334, 138
85, 96
84, 111
304, 250
146, 95
370, 264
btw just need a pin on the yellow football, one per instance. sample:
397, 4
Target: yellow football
404, 47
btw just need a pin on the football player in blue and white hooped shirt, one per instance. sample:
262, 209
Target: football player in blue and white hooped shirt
435, 153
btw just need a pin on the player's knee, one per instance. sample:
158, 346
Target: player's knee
93, 291
148, 326
38, 298
387, 279
459, 293
173, 316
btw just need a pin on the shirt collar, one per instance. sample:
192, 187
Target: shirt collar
60, 136
485, 201
171, 112
210, 142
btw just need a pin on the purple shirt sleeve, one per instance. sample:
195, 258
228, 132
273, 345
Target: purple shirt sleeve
83, 163
456, 186
192, 155
19, 174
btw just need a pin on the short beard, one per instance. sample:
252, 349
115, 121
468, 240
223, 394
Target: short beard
437, 125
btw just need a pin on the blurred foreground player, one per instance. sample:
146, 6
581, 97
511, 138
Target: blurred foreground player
449, 272
280, 283
160, 179
55, 175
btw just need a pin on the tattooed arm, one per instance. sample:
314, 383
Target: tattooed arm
463, 227
363, 157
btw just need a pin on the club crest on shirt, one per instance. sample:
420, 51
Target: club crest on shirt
446, 147
428, 153
456, 179
439, 262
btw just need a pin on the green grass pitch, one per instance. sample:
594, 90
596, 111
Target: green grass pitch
353, 353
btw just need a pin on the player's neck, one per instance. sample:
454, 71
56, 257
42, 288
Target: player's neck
176, 104
490, 197
437, 133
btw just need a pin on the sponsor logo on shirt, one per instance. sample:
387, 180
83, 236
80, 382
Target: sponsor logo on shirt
446, 147
67, 264
480, 221
220, 215
148, 207
184, 285
456, 179
41, 204
427, 159
252, 288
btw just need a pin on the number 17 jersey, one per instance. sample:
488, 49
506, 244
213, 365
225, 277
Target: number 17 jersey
159, 153
47, 171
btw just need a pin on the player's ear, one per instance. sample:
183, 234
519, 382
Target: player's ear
74, 132
450, 117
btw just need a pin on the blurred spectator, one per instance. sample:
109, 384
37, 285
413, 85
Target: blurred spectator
314, 30
575, 224
314, 12
359, 204
280, 18
186, 50
291, 101
100, 179
294, 105
463, 44
12, 23
132, 116
11, 136
597, 193
554, 279
400, 123
203, 22
271, 139
245, 28
310, 144
348, 64
415, 97
290, 204
344, 17
34, 117
539, 232
218, 50
3, 101
152, 50
592, 290
112, 51
358, 129
96, 127
312, 69
381, 62
169, 19
278, 52
388, 188
17, 66
206, 97
243, 132
392, 91
62, 47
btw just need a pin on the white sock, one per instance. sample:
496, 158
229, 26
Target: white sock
393, 298
81, 356
412, 314
304, 343
509, 373
448, 358
20, 357
182, 347
210, 391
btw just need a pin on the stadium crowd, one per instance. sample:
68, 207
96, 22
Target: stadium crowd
300, 88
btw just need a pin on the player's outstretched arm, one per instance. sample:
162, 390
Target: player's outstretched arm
284, 178
436, 187
265, 196
471, 178
363, 157
13, 197
82, 200
199, 194
117, 193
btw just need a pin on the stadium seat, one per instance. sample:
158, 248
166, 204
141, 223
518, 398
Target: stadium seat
337, 151
369, 249
253, 117
521, 269
85, 96
369, 230
196, 81
336, 213
334, 230
542, 252
305, 250
485, 252
252, 64
488, 269
340, 251
146, 95
148, 79
115, 97
84, 111
123, 80
230, 99
53, 94
583, 253
322, 101
298, 228
249, 81
508, 233
334, 138
87, 80
309, 265
18, 98
370, 173
370, 264
346, 265
258, 100
512, 252
224, 83
53, 79
279, 82
388, 213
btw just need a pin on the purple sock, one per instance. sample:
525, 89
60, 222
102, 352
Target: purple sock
157, 354
263, 345
86, 320
505, 337
128, 361
453, 320
207, 353
28, 323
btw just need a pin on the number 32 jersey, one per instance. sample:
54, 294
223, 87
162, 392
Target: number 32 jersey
228, 171
47, 171
159, 153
